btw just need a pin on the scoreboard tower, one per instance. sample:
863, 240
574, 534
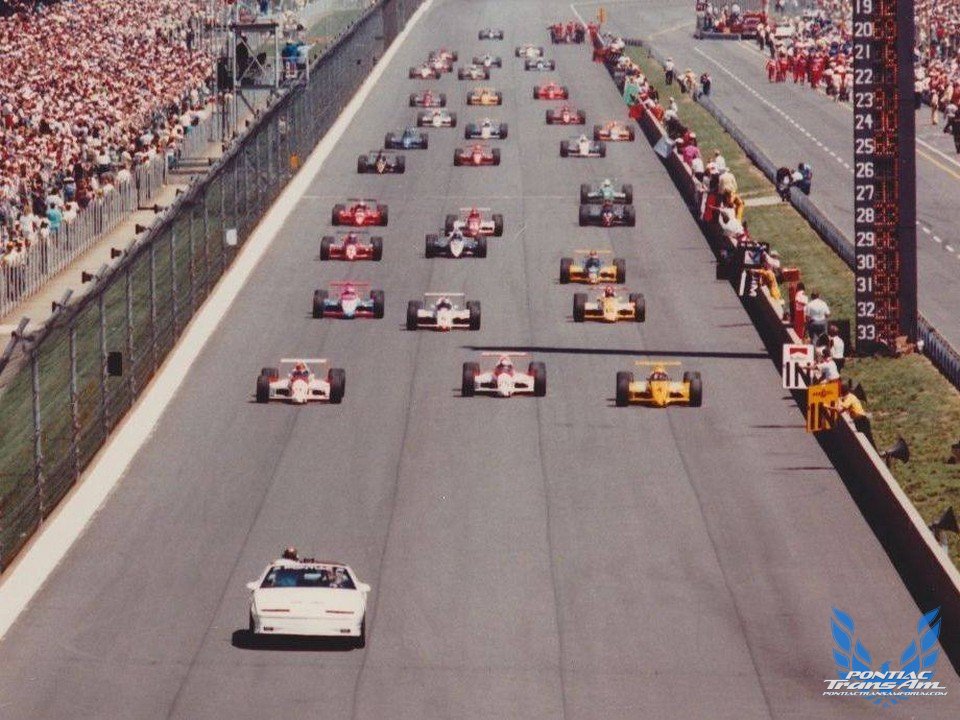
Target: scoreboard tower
885, 189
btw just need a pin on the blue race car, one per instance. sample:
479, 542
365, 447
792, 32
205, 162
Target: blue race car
408, 139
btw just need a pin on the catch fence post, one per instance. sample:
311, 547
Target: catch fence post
173, 279
74, 402
37, 434
153, 304
131, 381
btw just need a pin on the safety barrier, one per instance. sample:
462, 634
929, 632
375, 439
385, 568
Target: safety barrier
65, 386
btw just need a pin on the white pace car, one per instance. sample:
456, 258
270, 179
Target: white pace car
301, 385
309, 598
443, 311
504, 380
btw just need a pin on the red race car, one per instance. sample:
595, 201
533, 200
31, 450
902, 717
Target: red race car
471, 223
566, 115
359, 213
476, 155
351, 245
550, 91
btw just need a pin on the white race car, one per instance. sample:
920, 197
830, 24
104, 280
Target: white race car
443, 311
437, 118
504, 380
301, 385
309, 598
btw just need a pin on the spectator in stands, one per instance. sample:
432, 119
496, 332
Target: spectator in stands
817, 312
850, 405
953, 128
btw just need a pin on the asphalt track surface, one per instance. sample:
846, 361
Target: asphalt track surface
791, 124
551, 558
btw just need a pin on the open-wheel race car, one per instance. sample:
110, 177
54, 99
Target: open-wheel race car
606, 192
448, 56
485, 129
344, 301
610, 305
471, 223
551, 91
583, 147
473, 72
528, 51
476, 155
571, 32
455, 244
504, 379
407, 139
425, 71
540, 64
300, 385
608, 214
428, 99
658, 389
359, 213
437, 117
613, 131
566, 115
351, 246
488, 61
587, 266
381, 162
484, 96
490, 34
443, 311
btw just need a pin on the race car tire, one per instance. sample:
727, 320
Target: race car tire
539, 372
454, 56
621, 267
430, 246
631, 134
453, 119
338, 385
413, 309
585, 194
361, 641
486, 73
468, 131
581, 117
584, 216
564, 92
640, 306
384, 211
457, 162
335, 213
362, 164
696, 391
376, 248
325, 244
629, 216
443, 99
413, 100
623, 388
481, 251
495, 153
388, 141
516, 52
468, 383
503, 131
536, 93
379, 302
497, 225
474, 307
579, 307
448, 223
461, 75
596, 132
564, 150
628, 193
549, 116
565, 265
272, 373
319, 301
499, 99
263, 389
426, 141
402, 163
602, 149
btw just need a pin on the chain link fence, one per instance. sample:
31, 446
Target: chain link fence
66, 386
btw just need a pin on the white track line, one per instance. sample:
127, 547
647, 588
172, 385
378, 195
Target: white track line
54, 540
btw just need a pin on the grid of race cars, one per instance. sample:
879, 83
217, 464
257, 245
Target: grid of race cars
295, 596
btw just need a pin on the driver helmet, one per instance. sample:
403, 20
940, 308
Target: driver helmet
505, 363
486, 122
609, 292
594, 255
583, 138
290, 553
349, 289
299, 368
606, 182
456, 234
444, 303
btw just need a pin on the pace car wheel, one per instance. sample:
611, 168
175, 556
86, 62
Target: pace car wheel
579, 307
481, 247
384, 211
584, 215
376, 248
495, 153
539, 372
696, 391
448, 223
325, 244
497, 225
361, 164
474, 307
413, 314
584, 194
468, 383
379, 303
565, 265
640, 306
629, 216
623, 388
621, 267
335, 213
319, 302
628, 193
430, 246
338, 385
263, 389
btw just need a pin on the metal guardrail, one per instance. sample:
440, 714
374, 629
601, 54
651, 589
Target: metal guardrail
59, 395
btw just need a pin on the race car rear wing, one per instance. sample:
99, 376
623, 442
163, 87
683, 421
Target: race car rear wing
293, 361
444, 294
467, 210
665, 363
587, 251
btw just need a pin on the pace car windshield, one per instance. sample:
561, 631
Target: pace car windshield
309, 577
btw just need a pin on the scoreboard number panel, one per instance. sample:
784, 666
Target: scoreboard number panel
885, 234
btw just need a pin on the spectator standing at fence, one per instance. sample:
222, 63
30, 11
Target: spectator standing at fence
836, 346
850, 405
826, 367
817, 312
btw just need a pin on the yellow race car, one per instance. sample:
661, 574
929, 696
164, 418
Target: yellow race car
587, 267
484, 96
658, 390
609, 306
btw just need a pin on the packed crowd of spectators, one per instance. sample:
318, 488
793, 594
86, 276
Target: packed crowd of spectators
89, 89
